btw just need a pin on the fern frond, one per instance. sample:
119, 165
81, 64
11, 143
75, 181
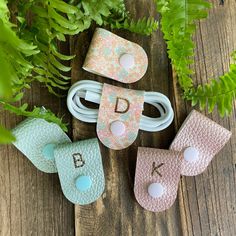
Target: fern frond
52, 21
37, 112
120, 19
100, 10
6, 136
14, 57
178, 26
142, 26
114, 13
219, 92
4, 12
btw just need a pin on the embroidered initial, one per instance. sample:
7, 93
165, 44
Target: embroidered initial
78, 160
155, 168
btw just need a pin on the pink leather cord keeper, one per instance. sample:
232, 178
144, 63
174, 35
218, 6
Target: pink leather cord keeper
156, 166
119, 116
203, 134
105, 54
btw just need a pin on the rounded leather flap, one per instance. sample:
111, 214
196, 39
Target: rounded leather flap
156, 178
114, 57
119, 116
199, 139
80, 171
36, 139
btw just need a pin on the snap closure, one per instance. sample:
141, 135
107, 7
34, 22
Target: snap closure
155, 190
117, 128
83, 183
127, 61
191, 154
48, 151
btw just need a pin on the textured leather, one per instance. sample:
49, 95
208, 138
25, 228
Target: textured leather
103, 57
205, 135
168, 175
31, 137
199, 132
89, 164
112, 98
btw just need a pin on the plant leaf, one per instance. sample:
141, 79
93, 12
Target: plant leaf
6, 136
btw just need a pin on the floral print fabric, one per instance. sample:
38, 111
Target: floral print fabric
119, 99
104, 53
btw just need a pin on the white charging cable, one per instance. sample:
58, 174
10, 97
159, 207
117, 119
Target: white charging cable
92, 91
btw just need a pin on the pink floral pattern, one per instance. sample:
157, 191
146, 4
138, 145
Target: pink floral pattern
107, 115
104, 53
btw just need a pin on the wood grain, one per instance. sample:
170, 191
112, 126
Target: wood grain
31, 202
206, 203
117, 212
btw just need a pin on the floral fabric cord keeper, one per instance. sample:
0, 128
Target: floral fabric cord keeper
114, 57
119, 116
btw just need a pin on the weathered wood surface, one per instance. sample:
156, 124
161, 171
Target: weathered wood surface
206, 203
31, 202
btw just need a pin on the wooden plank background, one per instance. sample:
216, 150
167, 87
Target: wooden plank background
31, 202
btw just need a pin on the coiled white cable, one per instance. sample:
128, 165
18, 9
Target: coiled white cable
92, 91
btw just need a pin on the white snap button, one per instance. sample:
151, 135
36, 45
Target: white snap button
155, 190
191, 154
117, 128
127, 61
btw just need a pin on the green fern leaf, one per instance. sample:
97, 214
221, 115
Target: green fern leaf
178, 25
6, 136
114, 13
218, 93
37, 112
143, 26
14, 62
52, 20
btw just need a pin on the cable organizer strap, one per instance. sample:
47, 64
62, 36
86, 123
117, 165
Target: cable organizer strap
125, 61
92, 91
